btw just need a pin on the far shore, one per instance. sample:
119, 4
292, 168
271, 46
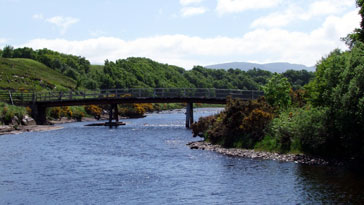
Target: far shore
54, 125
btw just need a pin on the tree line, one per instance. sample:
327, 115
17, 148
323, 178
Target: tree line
143, 72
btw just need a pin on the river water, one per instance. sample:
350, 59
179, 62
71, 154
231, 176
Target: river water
147, 162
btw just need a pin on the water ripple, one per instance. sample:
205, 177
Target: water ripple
146, 162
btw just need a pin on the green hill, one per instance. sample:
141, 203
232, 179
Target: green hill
45, 69
21, 73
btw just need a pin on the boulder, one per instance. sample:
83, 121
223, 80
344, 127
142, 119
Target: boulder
15, 120
28, 121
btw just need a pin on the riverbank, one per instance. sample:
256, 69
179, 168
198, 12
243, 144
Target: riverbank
18, 129
9, 129
253, 154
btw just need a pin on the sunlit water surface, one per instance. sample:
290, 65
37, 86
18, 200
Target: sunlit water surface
147, 162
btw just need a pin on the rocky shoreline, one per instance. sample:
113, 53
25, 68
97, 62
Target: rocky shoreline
253, 154
8, 129
32, 127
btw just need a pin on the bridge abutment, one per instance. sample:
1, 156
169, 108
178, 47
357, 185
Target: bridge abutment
189, 115
39, 114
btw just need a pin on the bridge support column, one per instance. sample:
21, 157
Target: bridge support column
113, 114
189, 114
39, 114
110, 115
116, 113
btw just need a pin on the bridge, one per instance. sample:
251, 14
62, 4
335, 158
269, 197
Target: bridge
40, 101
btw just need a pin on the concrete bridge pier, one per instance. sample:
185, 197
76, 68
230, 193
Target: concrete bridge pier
39, 114
189, 115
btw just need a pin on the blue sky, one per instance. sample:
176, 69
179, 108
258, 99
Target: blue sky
181, 32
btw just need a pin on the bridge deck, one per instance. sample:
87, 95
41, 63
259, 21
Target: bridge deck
133, 95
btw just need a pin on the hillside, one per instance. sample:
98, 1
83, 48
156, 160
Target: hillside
46, 69
272, 67
21, 73
138, 72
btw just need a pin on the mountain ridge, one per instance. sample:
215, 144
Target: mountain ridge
278, 67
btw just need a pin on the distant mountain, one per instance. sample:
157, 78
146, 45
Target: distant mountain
273, 67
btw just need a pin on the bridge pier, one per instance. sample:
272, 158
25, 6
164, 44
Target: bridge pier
113, 114
189, 115
39, 114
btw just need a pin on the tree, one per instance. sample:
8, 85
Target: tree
8, 52
339, 86
277, 91
358, 33
24, 53
298, 78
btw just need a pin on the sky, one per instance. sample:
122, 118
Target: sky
181, 32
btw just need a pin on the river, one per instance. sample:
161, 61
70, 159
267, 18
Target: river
147, 162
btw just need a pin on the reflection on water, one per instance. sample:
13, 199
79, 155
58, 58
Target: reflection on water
147, 162
332, 185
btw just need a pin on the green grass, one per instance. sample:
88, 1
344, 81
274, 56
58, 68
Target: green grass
20, 73
269, 144
204, 105
97, 67
7, 112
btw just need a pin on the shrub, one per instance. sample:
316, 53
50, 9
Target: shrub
93, 110
204, 123
55, 112
301, 129
78, 115
132, 110
268, 143
66, 112
241, 124
8, 116
8, 112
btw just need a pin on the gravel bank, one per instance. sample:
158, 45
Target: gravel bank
253, 154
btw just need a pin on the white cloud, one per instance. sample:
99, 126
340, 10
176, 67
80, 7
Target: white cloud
326, 7
277, 19
233, 6
294, 12
191, 11
62, 22
188, 2
260, 45
38, 16
335, 27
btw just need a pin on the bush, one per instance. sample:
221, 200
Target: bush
301, 130
78, 115
269, 143
241, 124
204, 123
8, 112
77, 112
93, 110
132, 110
55, 112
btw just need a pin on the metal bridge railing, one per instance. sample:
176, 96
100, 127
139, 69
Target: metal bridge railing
27, 97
